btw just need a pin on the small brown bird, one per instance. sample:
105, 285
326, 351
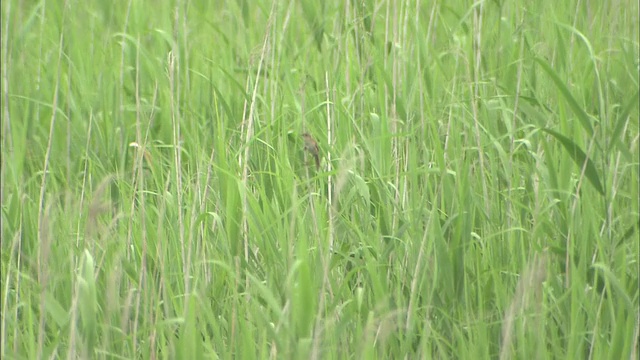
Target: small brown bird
311, 146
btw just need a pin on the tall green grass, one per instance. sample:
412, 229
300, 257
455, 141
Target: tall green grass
478, 194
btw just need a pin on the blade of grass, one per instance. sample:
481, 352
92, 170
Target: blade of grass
584, 119
580, 158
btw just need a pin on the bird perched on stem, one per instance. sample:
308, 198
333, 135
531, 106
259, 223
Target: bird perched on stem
311, 146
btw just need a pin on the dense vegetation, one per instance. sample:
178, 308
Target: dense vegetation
477, 195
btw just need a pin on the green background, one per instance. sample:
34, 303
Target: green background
477, 195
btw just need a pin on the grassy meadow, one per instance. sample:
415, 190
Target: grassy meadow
477, 194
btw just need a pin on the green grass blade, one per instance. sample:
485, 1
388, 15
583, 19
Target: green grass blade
584, 119
580, 159
620, 125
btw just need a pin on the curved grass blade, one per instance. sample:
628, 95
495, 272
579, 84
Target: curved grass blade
620, 125
575, 107
580, 158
